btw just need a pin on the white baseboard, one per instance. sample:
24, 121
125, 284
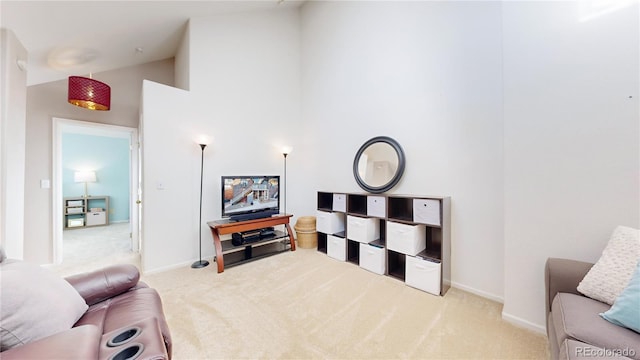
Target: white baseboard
118, 221
475, 291
172, 266
519, 322
523, 323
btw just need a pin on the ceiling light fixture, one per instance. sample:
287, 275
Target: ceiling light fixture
89, 94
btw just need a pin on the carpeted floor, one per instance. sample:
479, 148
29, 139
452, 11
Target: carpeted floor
91, 248
305, 305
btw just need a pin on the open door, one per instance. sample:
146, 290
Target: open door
61, 126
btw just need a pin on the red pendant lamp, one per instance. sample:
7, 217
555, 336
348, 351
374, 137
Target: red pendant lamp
89, 94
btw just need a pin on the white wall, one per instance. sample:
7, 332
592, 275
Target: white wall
429, 75
244, 85
170, 168
571, 136
13, 97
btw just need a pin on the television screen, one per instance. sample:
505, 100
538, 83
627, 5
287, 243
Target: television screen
250, 195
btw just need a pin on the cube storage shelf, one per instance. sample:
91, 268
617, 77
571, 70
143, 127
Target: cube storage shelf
80, 212
405, 237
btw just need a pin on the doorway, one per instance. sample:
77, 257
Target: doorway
124, 214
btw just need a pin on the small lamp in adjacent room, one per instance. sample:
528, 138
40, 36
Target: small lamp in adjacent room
203, 141
286, 150
84, 177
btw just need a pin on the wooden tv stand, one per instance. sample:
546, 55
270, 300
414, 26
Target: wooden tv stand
223, 227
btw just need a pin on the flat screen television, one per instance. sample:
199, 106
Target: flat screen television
250, 197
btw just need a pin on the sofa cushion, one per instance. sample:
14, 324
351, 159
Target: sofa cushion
577, 317
626, 309
107, 282
611, 274
35, 304
572, 349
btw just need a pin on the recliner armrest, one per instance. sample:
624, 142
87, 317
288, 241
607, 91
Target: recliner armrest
563, 275
99, 285
82, 342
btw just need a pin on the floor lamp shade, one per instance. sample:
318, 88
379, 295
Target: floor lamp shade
89, 94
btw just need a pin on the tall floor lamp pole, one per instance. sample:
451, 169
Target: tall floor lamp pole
200, 263
285, 151
285, 182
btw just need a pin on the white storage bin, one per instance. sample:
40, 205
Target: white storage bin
372, 258
376, 206
363, 229
426, 211
337, 247
329, 222
423, 274
75, 222
406, 239
340, 202
96, 218
75, 203
75, 210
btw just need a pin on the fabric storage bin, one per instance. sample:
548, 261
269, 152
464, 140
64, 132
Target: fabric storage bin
329, 222
340, 202
406, 239
426, 211
372, 258
75, 222
96, 218
75, 203
376, 206
75, 210
337, 247
363, 229
423, 274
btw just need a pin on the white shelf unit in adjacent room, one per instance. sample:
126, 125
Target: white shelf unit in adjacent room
404, 237
81, 212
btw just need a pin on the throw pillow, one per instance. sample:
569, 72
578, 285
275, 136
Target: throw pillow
626, 309
611, 274
35, 304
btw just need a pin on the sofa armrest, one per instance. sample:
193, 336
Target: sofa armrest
82, 342
99, 285
563, 275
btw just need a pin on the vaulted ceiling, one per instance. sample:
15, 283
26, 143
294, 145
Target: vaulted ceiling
80, 37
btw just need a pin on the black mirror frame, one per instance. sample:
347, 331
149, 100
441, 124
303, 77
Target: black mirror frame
396, 177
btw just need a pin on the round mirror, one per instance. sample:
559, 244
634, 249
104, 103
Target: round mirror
379, 164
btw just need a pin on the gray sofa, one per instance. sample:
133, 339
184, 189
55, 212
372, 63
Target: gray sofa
574, 326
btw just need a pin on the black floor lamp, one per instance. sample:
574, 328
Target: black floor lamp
201, 263
285, 151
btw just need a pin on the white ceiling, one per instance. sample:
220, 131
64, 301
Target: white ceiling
78, 37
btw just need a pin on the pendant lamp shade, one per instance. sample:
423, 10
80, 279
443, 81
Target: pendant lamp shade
88, 93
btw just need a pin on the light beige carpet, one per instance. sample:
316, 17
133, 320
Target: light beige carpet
305, 305
91, 248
